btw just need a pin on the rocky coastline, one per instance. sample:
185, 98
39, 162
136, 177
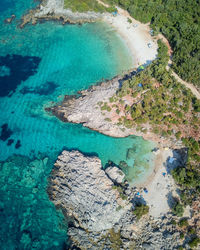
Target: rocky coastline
54, 10
84, 108
99, 207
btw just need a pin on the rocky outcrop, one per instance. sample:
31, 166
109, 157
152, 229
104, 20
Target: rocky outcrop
10, 19
158, 234
115, 174
86, 109
86, 192
81, 188
99, 216
54, 10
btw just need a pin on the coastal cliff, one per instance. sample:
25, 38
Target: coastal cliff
100, 214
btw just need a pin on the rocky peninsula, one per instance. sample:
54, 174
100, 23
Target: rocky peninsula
85, 108
54, 10
100, 208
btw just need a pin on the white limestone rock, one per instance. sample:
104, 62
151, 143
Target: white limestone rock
115, 174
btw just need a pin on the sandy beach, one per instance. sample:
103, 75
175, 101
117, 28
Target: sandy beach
160, 185
136, 35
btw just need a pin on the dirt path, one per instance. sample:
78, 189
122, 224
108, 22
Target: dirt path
104, 4
187, 85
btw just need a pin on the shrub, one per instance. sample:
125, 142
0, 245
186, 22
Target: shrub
194, 242
169, 132
140, 210
128, 123
183, 222
118, 208
108, 109
173, 222
117, 111
180, 248
177, 209
129, 20
107, 119
178, 135
191, 230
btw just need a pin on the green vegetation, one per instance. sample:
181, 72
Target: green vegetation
183, 222
182, 236
188, 176
86, 5
177, 20
191, 230
162, 102
177, 209
140, 210
180, 248
105, 107
194, 242
121, 192
115, 239
171, 111
173, 222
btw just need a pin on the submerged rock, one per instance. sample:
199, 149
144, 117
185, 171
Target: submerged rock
10, 19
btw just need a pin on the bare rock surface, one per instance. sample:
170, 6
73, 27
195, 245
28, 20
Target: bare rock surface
54, 10
85, 191
56, 7
115, 174
86, 110
98, 217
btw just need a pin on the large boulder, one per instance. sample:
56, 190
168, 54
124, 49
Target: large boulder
115, 174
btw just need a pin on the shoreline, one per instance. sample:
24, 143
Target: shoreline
136, 36
157, 185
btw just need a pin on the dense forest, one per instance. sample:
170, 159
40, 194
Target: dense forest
179, 21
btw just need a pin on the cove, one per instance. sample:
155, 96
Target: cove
56, 60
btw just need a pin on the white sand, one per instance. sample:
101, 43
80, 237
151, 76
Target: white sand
160, 188
136, 38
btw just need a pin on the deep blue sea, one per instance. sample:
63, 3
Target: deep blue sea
38, 66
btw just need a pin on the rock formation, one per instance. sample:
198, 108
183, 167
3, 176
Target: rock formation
99, 216
115, 174
54, 10
10, 19
86, 192
86, 110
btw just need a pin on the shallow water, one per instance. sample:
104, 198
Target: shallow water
38, 65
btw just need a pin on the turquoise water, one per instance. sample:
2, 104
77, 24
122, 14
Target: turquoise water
38, 65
